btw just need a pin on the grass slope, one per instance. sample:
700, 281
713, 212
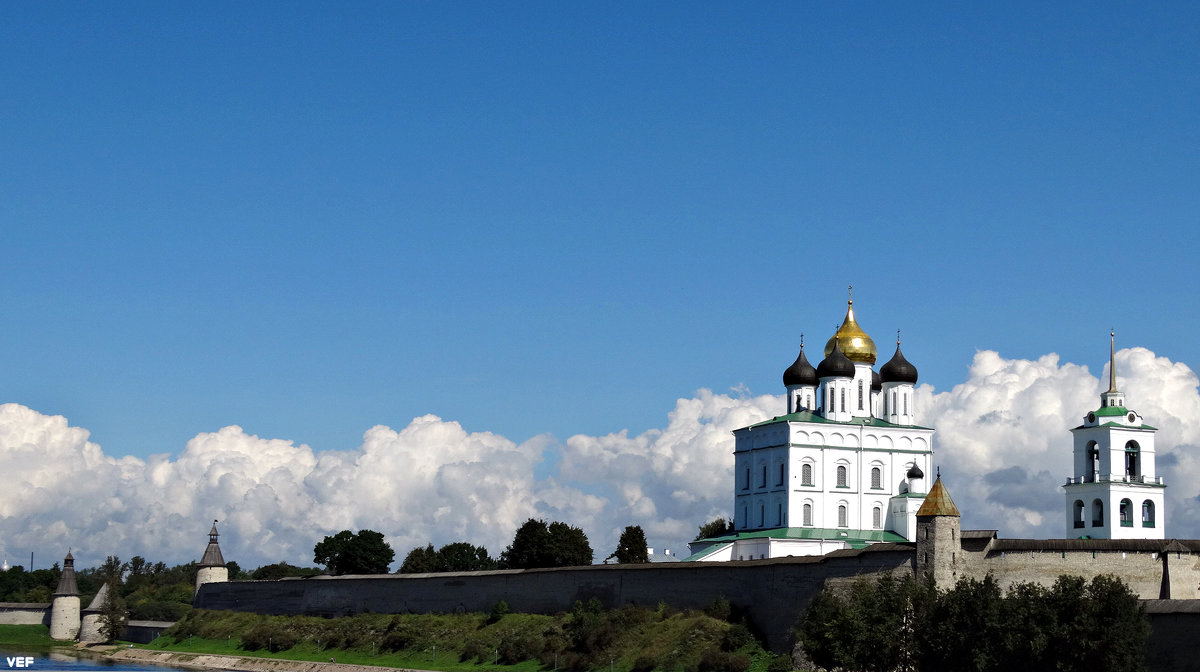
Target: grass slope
26, 635
629, 639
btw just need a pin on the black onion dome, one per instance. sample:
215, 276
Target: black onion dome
800, 372
836, 365
916, 472
898, 369
876, 381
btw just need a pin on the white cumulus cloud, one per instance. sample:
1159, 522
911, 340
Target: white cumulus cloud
1002, 443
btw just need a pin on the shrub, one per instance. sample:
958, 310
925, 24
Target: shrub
720, 609
737, 636
499, 611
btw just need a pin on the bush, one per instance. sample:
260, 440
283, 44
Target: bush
714, 660
737, 636
720, 609
780, 664
499, 611
517, 647
269, 636
475, 650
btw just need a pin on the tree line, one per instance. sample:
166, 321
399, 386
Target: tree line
908, 624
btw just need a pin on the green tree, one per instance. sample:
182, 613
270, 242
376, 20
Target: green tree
463, 557
280, 570
420, 560
346, 552
718, 527
112, 609
631, 547
536, 544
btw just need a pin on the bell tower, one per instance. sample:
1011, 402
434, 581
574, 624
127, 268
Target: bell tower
1114, 492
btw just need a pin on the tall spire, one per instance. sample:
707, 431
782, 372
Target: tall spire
1112, 360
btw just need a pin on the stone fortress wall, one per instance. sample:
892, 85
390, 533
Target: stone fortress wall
774, 593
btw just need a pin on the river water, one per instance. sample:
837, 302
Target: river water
45, 660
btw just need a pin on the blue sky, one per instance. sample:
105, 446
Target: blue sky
308, 219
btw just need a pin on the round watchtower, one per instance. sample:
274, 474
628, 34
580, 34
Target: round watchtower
212, 564
64, 607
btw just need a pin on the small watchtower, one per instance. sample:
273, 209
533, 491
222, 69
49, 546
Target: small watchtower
939, 537
64, 607
212, 564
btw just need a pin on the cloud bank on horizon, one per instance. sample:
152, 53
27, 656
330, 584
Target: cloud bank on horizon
1001, 442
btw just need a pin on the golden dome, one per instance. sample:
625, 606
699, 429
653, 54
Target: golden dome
852, 340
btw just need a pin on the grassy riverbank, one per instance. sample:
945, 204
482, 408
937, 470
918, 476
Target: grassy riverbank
26, 635
629, 639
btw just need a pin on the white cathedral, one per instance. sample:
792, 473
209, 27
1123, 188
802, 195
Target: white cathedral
845, 467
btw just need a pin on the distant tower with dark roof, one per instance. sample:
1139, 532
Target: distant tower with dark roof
212, 565
64, 608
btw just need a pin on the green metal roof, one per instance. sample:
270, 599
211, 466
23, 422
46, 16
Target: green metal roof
1112, 410
808, 416
825, 533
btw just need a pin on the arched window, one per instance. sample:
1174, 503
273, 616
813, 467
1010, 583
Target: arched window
1126, 513
781, 465
876, 518
1132, 452
842, 515
806, 474
745, 517
747, 485
1097, 513
1147, 513
762, 513
843, 401
905, 397
894, 406
841, 477
807, 513
876, 478
1078, 513
779, 513
763, 482
1093, 461
861, 387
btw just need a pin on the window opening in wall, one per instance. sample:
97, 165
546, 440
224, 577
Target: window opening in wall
781, 465
806, 472
842, 405
747, 485
762, 511
808, 514
876, 478
1097, 513
1093, 461
1132, 451
1147, 513
1078, 513
894, 406
876, 518
779, 514
763, 483
841, 477
1126, 513
905, 404
841, 515
860, 396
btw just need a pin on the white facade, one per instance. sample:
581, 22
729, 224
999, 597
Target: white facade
842, 473
1114, 492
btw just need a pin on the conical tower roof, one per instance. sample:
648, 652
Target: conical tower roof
212, 554
98, 601
938, 502
66, 582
